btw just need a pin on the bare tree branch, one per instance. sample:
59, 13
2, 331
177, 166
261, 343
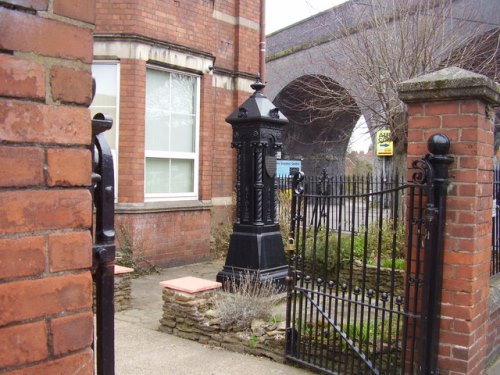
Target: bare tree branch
383, 42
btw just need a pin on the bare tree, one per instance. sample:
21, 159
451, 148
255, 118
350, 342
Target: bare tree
379, 43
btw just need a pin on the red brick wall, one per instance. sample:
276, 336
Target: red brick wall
168, 238
45, 203
467, 247
217, 161
208, 108
190, 24
224, 31
131, 141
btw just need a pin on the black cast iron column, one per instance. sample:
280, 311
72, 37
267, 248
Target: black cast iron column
256, 246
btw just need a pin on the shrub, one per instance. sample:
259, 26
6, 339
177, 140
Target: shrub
377, 336
246, 300
285, 213
130, 254
389, 233
252, 341
220, 238
379, 239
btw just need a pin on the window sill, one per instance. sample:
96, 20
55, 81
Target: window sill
165, 206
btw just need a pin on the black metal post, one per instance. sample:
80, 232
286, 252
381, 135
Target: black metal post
256, 246
438, 145
104, 246
291, 332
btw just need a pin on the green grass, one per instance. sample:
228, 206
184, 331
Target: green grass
383, 244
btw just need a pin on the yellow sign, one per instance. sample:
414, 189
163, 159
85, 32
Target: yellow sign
384, 143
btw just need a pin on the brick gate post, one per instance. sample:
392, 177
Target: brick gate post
458, 103
46, 320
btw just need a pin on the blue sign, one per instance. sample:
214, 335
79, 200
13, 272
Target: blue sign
287, 167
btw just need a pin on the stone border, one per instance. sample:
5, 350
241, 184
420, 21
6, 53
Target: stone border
191, 315
123, 288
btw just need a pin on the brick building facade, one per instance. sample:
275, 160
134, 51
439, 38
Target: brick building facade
169, 73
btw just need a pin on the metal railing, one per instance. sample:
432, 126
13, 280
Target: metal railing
495, 245
347, 311
363, 293
344, 191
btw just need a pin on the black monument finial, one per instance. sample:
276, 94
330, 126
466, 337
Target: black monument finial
258, 86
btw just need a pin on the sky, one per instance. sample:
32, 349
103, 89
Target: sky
279, 16
281, 13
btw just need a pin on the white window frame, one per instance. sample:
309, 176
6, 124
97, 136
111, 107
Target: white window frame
116, 121
195, 156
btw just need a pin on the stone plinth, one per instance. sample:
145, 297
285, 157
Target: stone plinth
122, 288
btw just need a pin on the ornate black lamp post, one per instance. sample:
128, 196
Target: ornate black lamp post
256, 245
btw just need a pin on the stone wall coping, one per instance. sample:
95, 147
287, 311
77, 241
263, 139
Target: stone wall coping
120, 270
450, 84
190, 284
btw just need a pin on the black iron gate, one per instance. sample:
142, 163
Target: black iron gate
104, 245
365, 270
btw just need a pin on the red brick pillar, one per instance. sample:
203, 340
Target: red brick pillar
132, 131
457, 103
46, 321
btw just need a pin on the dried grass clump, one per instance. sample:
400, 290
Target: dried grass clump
245, 300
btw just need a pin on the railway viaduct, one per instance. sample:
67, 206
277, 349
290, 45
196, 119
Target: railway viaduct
308, 50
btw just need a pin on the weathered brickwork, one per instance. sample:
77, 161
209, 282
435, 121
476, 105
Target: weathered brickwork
216, 41
168, 238
450, 102
46, 324
205, 25
48, 123
44, 36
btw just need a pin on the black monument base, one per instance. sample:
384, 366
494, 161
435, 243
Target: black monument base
258, 251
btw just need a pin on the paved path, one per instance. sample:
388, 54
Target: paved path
142, 349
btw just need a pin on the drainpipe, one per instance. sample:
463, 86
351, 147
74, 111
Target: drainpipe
262, 43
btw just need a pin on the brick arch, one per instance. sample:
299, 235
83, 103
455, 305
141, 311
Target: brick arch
322, 116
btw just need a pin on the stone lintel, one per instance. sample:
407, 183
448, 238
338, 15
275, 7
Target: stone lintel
450, 84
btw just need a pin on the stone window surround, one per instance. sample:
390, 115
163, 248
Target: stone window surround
169, 55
